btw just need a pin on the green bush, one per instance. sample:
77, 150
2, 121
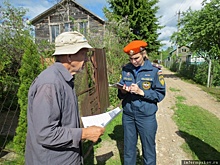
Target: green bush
201, 74
215, 74
30, 68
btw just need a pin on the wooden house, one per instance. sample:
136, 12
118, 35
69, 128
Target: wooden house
67, 15
183, 52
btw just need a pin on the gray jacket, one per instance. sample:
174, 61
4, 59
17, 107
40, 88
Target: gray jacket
54, 133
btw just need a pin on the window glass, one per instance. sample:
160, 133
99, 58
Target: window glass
83, 27
67, 27
183, 50
55, 31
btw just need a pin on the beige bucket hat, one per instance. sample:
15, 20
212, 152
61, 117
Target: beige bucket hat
70, 43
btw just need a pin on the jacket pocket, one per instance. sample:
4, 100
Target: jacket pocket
148, 109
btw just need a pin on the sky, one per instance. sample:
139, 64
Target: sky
168, 12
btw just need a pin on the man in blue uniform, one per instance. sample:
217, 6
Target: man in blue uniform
143, 87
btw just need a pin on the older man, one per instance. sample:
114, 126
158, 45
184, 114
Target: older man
54, 134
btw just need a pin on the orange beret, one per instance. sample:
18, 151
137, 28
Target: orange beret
135, 47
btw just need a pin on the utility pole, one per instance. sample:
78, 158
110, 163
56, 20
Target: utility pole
177, 49
177, 46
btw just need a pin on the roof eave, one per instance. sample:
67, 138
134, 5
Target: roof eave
53, 8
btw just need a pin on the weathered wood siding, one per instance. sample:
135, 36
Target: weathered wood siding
67, 17
42, 30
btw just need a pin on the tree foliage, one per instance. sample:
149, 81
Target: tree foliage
166, 53
20, 63
140, 16
12, 31
30, 60
115, 57
201, 30
126, 21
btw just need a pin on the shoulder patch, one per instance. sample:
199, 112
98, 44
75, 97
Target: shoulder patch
160, 76
161, 79
156, 65
159, 72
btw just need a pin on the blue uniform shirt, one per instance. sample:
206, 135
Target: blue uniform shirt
150, 79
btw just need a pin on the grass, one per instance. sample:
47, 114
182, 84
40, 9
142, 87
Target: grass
113, 132
174, 89
214, 91
6, 142
200, 129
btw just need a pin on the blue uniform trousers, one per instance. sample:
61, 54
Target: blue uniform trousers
146, 127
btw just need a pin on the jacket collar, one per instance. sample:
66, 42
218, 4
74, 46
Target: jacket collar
63, 71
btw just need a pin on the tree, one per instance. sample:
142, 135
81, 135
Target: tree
115, 57
166, 53
200, 30
20, 63
30, 60
12, 31
140, 15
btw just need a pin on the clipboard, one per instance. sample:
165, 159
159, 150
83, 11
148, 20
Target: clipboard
116, 85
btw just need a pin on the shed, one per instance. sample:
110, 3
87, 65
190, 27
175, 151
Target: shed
67, 15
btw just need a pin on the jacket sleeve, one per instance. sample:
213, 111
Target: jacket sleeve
120, 94
46, 119
157, 91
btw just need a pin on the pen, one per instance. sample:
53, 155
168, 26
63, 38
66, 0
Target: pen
138, 82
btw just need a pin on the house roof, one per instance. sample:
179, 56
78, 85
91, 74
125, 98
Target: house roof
53, 8
178, 48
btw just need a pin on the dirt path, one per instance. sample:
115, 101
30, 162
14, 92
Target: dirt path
168, 142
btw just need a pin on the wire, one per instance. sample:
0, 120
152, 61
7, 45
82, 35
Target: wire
169, 20
181, 5
189, 4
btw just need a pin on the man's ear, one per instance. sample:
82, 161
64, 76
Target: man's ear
69, 58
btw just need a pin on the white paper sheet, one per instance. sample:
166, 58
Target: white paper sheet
100, 119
